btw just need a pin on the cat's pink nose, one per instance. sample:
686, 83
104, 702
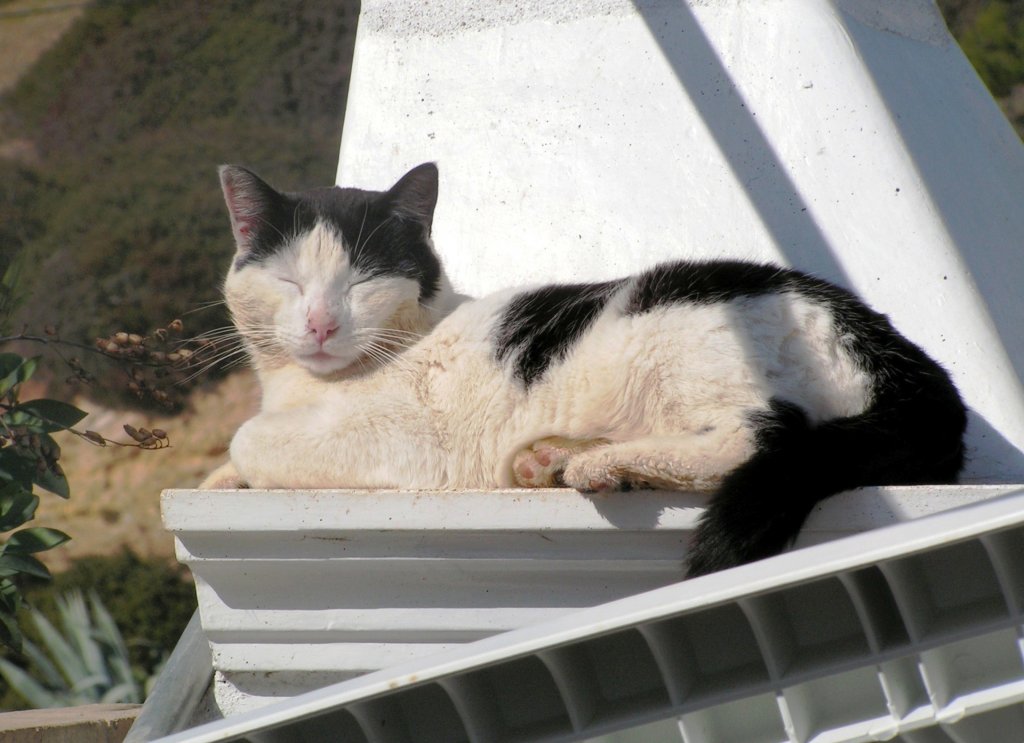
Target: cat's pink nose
322, 325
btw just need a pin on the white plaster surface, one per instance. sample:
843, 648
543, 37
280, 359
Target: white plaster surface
585, 140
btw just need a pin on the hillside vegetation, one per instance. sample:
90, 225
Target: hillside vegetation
991, 34
115, 204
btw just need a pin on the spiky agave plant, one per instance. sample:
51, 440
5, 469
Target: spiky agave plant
87, 663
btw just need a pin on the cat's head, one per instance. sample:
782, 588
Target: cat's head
330, 277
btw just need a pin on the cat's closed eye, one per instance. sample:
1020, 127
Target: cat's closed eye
297, 285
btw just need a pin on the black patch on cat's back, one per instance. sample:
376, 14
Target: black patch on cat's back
706, 283
539, 327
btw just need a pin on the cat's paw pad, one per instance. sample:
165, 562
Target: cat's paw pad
540, 466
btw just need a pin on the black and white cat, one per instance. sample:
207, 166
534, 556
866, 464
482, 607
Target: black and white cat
770, 388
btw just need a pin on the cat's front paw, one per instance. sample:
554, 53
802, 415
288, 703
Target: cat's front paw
600, 471
590, 478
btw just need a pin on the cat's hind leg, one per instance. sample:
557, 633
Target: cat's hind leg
695, 462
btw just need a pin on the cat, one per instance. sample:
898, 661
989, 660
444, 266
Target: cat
764, 386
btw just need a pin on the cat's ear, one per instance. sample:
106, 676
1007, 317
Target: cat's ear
251, 203
415, 194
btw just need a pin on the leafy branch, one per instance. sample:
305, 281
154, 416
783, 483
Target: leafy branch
29, 458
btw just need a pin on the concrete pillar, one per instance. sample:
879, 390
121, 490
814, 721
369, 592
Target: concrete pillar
585, 140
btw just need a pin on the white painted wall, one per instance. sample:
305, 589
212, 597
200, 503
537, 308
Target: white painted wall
584, 140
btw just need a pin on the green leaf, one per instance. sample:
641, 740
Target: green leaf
15, 374
116, 655
10, 603
17, 467
17, 505
36, 539
69, 662
15, 564
54, 481
10, 596
124, 693
10, 633
28, 687
9, 362
43, 667
45, 416
89, 687
79, 631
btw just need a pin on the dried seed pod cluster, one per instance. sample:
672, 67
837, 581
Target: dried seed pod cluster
142, 438
155, 439
157, 362
122, 345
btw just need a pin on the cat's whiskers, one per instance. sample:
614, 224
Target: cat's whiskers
386, 346
271, 225
232, 348
404, 338
201, 306
359, 246
366, 208
400, 339
239, 353
383, 358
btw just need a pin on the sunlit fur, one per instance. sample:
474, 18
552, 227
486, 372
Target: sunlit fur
767, 386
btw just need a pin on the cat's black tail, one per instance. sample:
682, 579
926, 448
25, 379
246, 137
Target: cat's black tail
912, 433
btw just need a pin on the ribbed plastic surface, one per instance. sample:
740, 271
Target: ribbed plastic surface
909, 633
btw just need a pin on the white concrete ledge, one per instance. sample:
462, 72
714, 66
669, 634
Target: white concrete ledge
298, 589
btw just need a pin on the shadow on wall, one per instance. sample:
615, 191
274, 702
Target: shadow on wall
741, 141
995, 266
783, 210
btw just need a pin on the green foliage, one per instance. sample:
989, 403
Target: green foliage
21, 220
87, 663
991, 34
149, 600
994, 42
132, 67
131, 112
28, 459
